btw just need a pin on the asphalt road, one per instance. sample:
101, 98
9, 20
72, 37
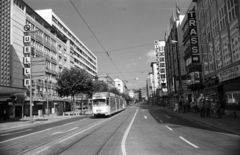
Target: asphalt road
140, 129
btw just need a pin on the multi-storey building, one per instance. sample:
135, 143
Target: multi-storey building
108, 80
173, 60
219, 37
192, 55
51, 40
120, 85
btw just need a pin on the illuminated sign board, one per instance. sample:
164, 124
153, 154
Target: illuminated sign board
192, 23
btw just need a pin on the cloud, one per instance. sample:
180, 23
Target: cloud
151, 57
132, 59
140, 58
131, 64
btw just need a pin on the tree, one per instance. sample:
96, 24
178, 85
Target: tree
97, 86
73, 81
114, 90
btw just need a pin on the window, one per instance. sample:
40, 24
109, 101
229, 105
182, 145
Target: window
163, 76
222, 18
162, 59
214, 25
162, 64
231, 10
208, 33
162, 70
200, 9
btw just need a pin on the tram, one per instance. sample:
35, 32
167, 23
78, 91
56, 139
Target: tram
106, 104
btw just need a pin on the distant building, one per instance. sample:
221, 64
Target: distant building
108, 80
120, 85
131, 93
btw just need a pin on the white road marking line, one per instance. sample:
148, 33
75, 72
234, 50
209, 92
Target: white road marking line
167, 116
169, 128
85, 129
41, 150
63, 131
15, 132
24, 136
72, 129
56, 133
123, 147
161, 121
188, 142
67, 124
145, 117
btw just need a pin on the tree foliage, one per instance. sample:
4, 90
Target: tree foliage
114, 90
73, 81
97, 86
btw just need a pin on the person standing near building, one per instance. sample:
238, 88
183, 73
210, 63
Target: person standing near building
208, 107
5, 115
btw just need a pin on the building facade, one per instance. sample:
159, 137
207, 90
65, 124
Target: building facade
120, 85
220, 44
56, 43
108, 80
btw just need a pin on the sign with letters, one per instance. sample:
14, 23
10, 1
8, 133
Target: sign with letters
27, 39
27, 27
27, 71
26, 60
27, 82
229, 73
192, 23
27, 49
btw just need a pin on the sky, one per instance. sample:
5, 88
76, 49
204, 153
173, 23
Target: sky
126, 29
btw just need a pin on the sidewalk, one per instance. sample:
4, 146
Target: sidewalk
17, 123
225, 123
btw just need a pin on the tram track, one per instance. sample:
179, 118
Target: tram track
102, 147
55, 141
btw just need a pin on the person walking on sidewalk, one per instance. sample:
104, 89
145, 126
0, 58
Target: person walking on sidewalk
208, 107
5, 115
202, 108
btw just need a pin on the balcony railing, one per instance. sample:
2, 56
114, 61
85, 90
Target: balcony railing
53, 48
38, 52
48, 57
39, 38
47, 44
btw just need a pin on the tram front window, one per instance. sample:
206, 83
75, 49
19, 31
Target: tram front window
99, 102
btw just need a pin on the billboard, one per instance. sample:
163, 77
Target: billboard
38, 68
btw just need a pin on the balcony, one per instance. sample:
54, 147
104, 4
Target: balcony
47, 44
53, 48
38, 52
54, 72
53, 60
39, 38
48, 57
71, 59
37, 83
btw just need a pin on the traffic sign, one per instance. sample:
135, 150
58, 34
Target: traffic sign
27, 27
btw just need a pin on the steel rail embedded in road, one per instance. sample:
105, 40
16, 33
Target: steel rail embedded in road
29, 151
102, 147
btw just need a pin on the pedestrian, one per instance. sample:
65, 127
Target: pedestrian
5, 115
202, 108
208, 107
218, 109
180, 105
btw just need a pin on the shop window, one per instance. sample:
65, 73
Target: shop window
233, 97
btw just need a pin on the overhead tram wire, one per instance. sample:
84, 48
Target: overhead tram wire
122, 49
96, 38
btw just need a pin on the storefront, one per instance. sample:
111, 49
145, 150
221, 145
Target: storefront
230, 81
